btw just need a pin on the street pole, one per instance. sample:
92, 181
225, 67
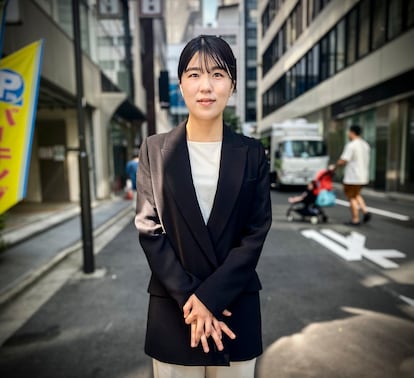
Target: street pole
85, 199
148, 72
128, 55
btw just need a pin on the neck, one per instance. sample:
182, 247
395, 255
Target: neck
204, 131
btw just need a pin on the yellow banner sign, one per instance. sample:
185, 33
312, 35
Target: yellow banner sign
19, 87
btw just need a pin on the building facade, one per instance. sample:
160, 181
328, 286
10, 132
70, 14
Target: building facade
340, 62
110, 113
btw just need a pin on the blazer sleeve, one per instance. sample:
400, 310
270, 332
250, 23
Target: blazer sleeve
229, 280
159, 252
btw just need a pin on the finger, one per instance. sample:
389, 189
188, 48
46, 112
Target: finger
227, 330
193, 334
187, 307
204, 343
217, 328
207, 328
217, 340
199, 332
190, 319
226, 313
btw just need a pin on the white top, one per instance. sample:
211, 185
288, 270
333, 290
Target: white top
205, 167
356, 153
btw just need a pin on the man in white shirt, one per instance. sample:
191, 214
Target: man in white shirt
355, 158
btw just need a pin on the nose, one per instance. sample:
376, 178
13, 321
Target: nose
205, 84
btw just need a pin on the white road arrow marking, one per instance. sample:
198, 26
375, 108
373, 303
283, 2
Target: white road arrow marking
381, 256
352, 247
334, 247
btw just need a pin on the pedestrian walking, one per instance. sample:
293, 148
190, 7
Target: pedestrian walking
355, 157
131, 182
131, 170
203, 213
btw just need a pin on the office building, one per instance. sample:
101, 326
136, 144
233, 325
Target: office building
338, 63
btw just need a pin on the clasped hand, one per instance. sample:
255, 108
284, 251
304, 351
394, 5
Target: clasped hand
204, 324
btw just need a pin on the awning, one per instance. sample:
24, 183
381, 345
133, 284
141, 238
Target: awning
128, 111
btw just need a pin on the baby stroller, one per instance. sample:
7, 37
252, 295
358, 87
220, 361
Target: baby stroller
310, 204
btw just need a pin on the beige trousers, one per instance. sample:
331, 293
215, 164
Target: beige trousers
244, 369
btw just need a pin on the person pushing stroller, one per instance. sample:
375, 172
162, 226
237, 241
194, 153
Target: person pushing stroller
318, 194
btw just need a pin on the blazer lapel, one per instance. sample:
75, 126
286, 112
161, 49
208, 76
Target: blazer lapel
179, 180
233, 161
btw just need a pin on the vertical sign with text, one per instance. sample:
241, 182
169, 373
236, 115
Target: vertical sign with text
19, 87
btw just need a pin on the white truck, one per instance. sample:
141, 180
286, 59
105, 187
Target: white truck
297, 152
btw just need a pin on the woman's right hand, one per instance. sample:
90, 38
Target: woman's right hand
203, 324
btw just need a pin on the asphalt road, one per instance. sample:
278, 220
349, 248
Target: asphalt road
323, 316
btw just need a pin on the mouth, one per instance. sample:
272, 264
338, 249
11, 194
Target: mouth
206, 101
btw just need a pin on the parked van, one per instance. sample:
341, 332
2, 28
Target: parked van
297, 152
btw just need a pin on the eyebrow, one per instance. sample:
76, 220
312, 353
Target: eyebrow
199, 69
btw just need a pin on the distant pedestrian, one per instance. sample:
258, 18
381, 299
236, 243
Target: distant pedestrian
355, 157
203, 213
131, 170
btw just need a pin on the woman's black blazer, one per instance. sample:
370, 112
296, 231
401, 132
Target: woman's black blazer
216, 261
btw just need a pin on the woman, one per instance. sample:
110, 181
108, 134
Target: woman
203, 212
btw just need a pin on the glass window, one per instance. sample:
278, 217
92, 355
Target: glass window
331, 52
301, 77
340, 46
231, 39
105, 41
288, 86
351, 36
299, 20
303, 148
284, 38
251, 33
251, 53
292, 26
280, 43
409, 158
394, 18
409, 12
251, 73
107, 64
251, 94
378, 24
324, 54
313, 67
65, 17
363, 21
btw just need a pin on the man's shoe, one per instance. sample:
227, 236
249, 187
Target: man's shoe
354, 224
367, 217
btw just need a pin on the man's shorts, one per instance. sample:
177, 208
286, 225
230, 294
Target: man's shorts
352, 191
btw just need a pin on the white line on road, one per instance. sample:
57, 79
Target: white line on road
373, 210
407, 300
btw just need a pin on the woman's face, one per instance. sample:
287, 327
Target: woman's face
205, 92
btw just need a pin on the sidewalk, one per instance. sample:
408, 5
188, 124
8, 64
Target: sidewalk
39, 237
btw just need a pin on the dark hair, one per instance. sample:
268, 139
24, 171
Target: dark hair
209, 47
356, 129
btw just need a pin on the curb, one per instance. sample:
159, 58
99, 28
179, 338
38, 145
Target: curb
19, 285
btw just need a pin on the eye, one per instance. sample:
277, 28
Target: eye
218, 74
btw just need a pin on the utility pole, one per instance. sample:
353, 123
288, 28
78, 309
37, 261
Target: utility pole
85, 199
148, 72
128, 55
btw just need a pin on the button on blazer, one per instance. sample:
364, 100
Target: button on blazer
216, 261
